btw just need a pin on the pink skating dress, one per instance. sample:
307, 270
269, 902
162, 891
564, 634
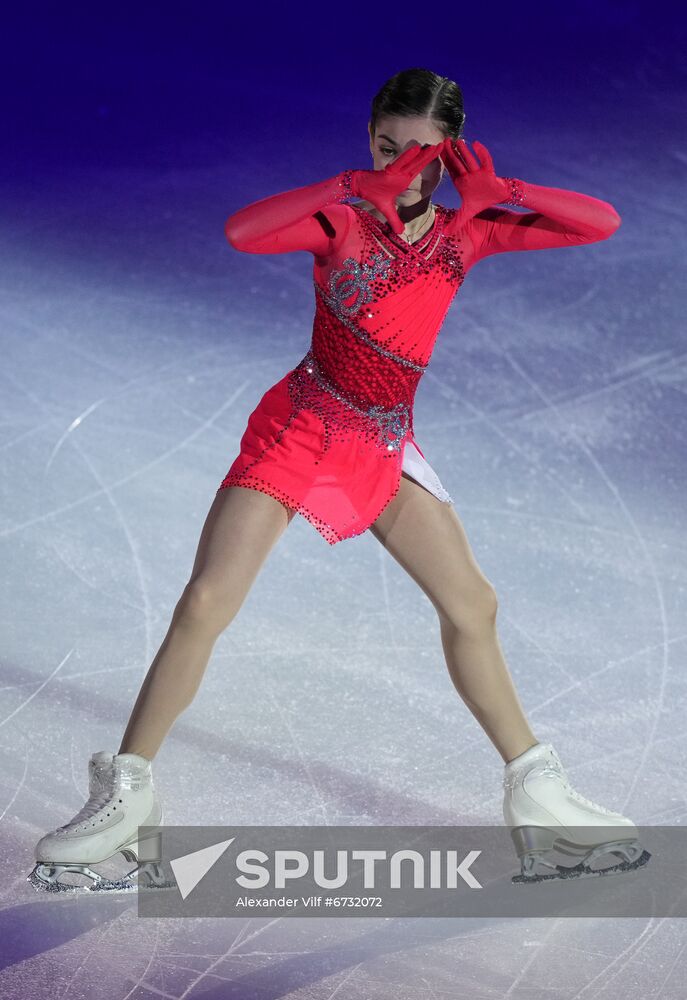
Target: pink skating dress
331, 438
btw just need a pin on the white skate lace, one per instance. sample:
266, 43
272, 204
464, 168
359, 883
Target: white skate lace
95, 804
553, 766
587, 802
98, 798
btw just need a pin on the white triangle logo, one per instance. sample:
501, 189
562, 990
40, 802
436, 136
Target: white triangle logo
190, 868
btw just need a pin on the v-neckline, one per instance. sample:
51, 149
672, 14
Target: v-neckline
385, 227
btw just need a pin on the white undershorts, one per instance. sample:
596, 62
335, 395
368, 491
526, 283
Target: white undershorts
422, 472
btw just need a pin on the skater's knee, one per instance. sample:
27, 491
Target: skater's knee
471, 611
205, 604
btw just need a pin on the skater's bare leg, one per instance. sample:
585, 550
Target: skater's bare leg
241, 528
428, 540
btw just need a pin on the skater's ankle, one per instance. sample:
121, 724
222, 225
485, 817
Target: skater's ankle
136, 753
522, 753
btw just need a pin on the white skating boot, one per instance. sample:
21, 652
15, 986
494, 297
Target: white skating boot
544, 812
121, 797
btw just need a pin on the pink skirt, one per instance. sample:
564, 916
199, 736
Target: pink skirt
342, 486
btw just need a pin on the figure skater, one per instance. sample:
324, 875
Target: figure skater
334, 441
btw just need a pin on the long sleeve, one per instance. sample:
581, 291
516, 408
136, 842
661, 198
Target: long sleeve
294, 220
559, 218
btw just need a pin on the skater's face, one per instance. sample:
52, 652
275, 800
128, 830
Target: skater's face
392, 136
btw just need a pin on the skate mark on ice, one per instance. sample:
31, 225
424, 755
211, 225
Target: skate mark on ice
132, 545
146, 379
611, 665
141, 470
534, 957
545, 652
587, 395
18, 788
381, 558
670, 971
23, 435
37, 691
239, 940
350, 973
141, 979
512, 442
630, 952
303, 759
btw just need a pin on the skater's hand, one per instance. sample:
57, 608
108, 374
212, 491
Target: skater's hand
474, 179
382, 187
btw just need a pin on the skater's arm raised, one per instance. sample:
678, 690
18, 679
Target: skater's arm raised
306, 218
560, 217
312, 218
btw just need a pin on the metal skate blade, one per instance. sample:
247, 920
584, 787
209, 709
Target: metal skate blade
584, 871
46, 878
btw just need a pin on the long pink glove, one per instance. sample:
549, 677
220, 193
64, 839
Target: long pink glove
560, 217
293, 220
382, 187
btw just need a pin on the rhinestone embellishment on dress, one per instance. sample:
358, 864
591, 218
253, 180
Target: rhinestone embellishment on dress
355, 278
387, 426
